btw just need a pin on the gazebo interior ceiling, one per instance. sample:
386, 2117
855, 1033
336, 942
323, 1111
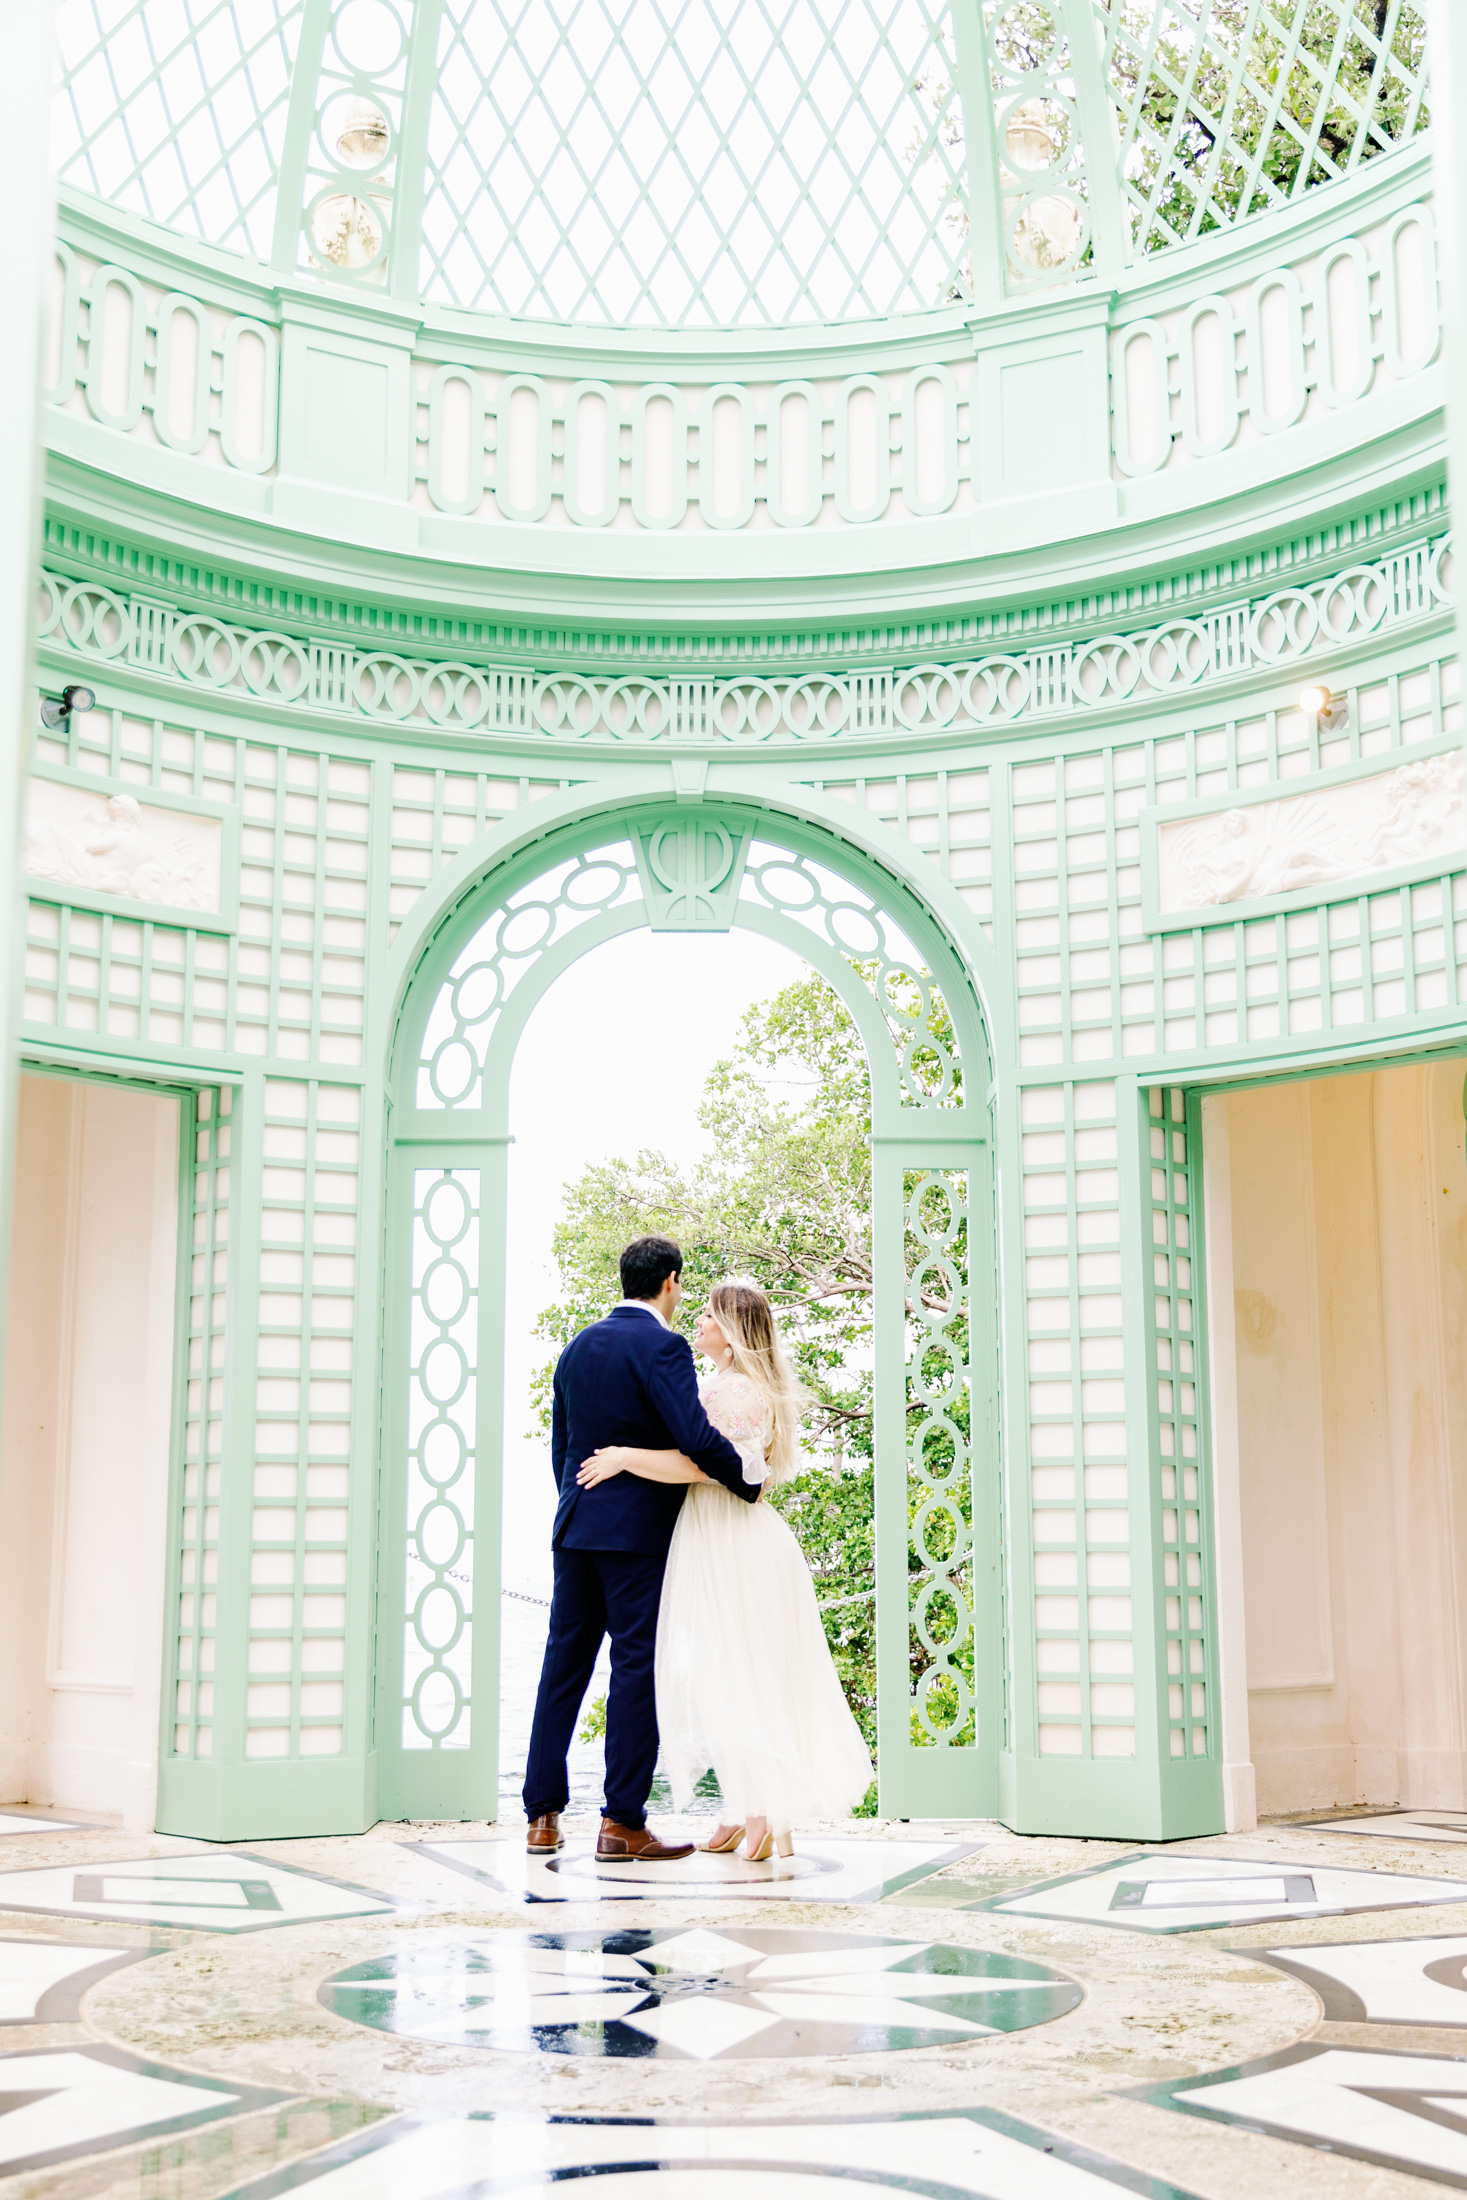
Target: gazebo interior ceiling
723, 163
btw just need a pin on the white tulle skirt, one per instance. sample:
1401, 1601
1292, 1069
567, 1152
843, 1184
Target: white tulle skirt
745, 1681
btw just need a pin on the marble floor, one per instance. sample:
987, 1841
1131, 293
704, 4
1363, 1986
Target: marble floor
948, 2010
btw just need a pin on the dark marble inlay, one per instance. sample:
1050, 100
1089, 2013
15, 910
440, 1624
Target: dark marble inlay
1398, 2111
699, 1994
941, 2154
59, 2103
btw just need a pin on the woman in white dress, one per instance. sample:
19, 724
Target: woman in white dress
745, 1681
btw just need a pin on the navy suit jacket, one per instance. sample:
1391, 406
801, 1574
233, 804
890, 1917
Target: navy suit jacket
629, 1380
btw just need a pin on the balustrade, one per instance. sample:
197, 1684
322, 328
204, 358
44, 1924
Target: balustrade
910, 427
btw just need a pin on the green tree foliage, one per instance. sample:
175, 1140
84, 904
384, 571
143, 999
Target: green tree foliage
1227, 106
784, 1196
1235, 90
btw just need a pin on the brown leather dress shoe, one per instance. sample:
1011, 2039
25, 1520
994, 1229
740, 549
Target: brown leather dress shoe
543, 1835
636, 1845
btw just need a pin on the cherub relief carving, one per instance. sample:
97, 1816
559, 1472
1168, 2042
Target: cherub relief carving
117, 850
1273, 847
1269, 849
1423, 811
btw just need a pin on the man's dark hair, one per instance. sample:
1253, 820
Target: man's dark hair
646, 1265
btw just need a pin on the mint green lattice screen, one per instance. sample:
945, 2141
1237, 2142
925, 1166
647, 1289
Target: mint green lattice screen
188, 1715
1173, 1130
939, 1482
443, 1406
936, 1471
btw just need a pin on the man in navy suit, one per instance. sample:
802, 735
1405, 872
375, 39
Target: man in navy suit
626, 1380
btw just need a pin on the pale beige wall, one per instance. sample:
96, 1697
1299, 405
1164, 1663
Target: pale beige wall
84, 1467
1343, 1448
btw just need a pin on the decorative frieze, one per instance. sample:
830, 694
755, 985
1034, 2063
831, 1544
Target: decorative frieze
1154, 665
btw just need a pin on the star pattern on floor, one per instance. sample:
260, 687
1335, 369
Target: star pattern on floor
967, 2154
1180, 1894
699, 1994
1399, 2111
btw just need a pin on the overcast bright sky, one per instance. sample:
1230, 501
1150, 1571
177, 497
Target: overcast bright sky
613, 1059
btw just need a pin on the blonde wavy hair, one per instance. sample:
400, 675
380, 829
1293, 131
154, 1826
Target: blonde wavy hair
746, 1318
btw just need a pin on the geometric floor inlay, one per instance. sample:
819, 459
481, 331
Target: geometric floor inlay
971, 2154
819, 1871
1179, 1894
1400, 2111
225, 1892
42, 1981
698, 1994
60, 2102
1443, 1828
1382, 1981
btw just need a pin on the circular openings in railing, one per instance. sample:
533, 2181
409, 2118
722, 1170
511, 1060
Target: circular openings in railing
355, 133
445, 1292
441, 1534
369, 36
442, 1454
346, 230
446, 1216
438, 1618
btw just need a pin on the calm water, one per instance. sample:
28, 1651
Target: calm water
522, 1646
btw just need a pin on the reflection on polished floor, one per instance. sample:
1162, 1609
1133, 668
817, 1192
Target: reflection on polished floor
833, 1870
977, 2155
700, 1993
945, 2009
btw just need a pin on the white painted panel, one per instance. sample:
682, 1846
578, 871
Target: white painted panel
1280, 1435
117, 1440
84, 1478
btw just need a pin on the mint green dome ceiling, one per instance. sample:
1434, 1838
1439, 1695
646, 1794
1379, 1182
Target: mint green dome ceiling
723, 163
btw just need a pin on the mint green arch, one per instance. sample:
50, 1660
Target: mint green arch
452, 905
926, 1159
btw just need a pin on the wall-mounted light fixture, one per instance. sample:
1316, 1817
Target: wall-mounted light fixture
1331, 711
56, 709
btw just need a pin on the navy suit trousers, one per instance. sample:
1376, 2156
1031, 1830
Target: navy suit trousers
599, 1593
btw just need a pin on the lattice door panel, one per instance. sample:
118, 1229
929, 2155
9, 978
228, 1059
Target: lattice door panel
939, 1475
441, 1640
1174, 1153
937, 1518
188, 1697
936, 1468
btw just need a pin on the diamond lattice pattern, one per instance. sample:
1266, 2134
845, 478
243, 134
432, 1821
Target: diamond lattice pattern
1227, 107
177, 111
694, 162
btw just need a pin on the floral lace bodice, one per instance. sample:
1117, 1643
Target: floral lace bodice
737, 1411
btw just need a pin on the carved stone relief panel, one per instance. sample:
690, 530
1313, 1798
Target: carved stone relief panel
104, 840
1381, 821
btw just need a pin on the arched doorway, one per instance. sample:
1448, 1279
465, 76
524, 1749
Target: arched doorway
690, 869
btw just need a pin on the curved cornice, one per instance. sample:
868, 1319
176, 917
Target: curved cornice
1316, 617
204, 580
